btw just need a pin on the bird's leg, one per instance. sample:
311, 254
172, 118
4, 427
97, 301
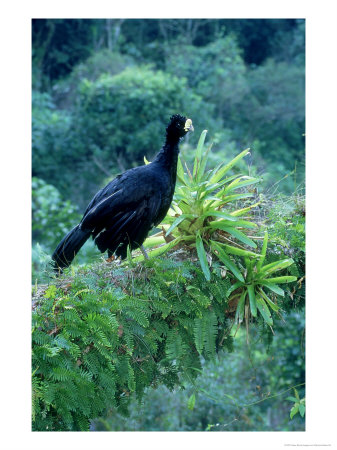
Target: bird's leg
144, 252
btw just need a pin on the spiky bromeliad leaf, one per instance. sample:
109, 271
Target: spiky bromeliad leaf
226, 260
240, 309
234, 232
252, 300
198, 155
264, 310
281, 280
180, 172
236, 184
238, 251
263, 252
223, 170
269, 302
177, 221
202, 257
277, 265
273, 287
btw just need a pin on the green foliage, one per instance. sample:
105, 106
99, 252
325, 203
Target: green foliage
299, 405
198, 212
217, 64
51, 158
52, 217
105, 336
249, 293
103, 61
203, 217
245, 390
122, 116
112, 335
280, 105
93, 119
203, 72
286, 223
58, 45
284, 216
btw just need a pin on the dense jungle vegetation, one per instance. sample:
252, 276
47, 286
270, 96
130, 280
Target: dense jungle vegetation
195, 338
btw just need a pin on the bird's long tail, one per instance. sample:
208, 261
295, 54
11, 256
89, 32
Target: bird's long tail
68, 248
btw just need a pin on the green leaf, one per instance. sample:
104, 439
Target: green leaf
240, 309
191, 402
153, 241
51, 291
272, 287
292, 399
264, 310
263, 252
160, 250
234, 232
222, 214
285, 279
252, 299
241, 212
229, 198
198, 154
211, 331
294, 410
238, 251
198, 330
180, 172
269, 302
296, 394
203, 163
226, 261
233, 288
202, 257
239, 184
302, 409
229, 223
277, 265
178, 221
223, 170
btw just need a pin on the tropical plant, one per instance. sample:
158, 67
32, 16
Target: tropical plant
105, 335
205, 217
197, 214
249, 291
299, 404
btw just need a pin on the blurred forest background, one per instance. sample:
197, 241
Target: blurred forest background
103, 91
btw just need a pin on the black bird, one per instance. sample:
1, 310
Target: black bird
123, 212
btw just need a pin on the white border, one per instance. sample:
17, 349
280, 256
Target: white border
321, 223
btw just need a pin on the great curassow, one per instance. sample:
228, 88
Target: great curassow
123, 212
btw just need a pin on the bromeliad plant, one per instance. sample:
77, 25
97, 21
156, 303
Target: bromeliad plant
197, 215
248, 291
211, 213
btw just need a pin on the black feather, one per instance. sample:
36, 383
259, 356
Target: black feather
123, 212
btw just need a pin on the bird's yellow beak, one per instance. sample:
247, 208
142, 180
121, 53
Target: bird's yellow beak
188, 125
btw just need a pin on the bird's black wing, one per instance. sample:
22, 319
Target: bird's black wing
125, 194
125, 210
